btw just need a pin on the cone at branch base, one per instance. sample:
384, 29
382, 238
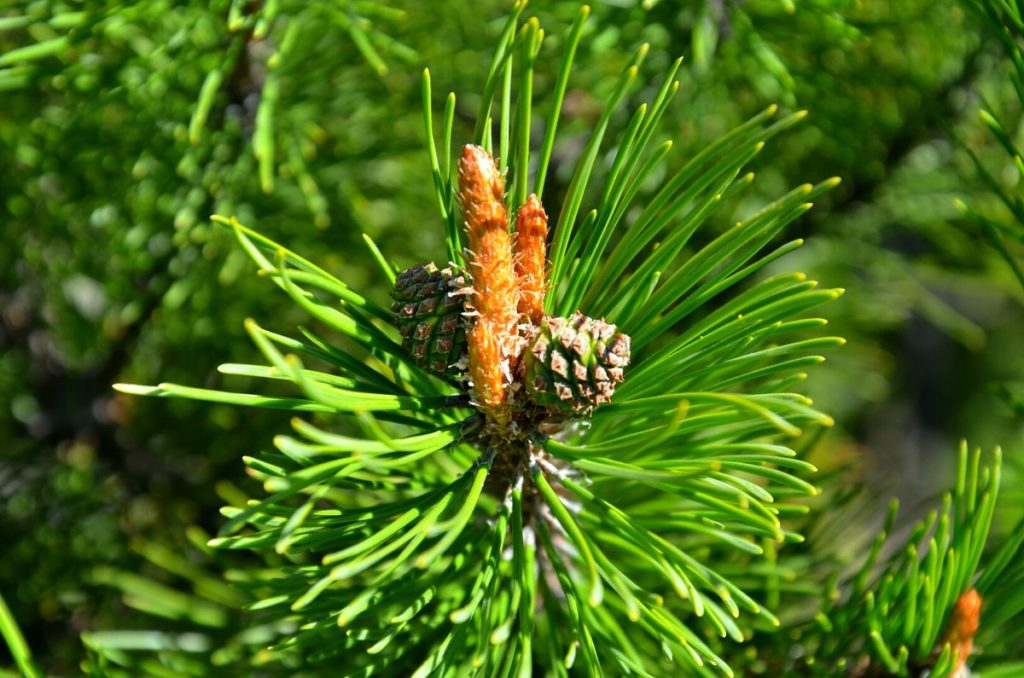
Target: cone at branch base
428, 310
573, 364
493, 337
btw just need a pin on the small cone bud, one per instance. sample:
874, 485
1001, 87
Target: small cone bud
531, 245
573, 364
493, 338
962, 627
428, 313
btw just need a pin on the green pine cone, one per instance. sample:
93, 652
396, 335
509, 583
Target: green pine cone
428, 314
573, 364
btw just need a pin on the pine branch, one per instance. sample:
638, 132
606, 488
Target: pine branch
568, 488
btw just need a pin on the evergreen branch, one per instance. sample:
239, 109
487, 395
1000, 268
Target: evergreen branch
410, 532
898, 617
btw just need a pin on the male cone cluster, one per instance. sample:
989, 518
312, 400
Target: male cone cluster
492, 319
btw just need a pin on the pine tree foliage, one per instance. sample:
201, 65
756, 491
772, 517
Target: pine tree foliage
900, 617
399, 552
121, 103
394, 543
115, 149
1004, 231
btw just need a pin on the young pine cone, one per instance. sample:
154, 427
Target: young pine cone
428, 314
573, 364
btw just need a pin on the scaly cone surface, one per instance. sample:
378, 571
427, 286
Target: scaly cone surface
429, 312
493, 337
573, 364
531, 257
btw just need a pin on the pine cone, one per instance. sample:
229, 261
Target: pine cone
573, 364
428, 314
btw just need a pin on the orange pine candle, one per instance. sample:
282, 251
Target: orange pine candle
963, 625
493, 336
531, 255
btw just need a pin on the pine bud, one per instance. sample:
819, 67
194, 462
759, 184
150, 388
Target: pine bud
493, 336
573, 364
428, 314
962, 627
531, 246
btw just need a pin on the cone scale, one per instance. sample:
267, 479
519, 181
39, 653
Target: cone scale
574, 364
429, 312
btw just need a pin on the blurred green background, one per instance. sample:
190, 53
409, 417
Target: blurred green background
123, 127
